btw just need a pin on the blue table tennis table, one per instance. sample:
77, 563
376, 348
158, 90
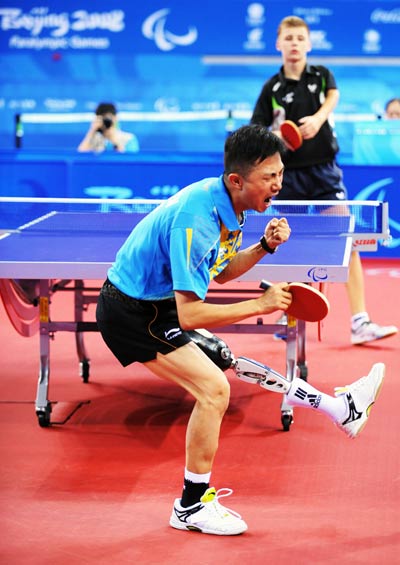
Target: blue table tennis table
63, 250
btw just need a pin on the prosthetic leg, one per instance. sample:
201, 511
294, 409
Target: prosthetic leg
246, 369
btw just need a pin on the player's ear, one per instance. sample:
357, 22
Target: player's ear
236, 180
277, 45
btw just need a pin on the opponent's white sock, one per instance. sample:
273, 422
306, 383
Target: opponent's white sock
301, 393
358, 319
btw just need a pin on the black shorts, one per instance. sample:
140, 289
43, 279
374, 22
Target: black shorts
136, 330
318, 182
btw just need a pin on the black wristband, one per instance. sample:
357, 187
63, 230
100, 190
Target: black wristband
265, 245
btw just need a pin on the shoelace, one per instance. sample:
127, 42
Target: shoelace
218, 507
355, 386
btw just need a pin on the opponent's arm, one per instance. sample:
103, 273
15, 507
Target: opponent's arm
310, 125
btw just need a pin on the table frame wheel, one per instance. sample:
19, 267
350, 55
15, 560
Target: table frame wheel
287, 420
84, 370
43, 416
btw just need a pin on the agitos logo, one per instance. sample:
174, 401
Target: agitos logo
154, 28
317, 274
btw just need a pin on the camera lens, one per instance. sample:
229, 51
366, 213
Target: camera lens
107, 123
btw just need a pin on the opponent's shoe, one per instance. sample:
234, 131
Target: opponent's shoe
368, 331
360, 396
208, 516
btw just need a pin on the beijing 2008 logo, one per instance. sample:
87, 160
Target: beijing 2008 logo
154, 28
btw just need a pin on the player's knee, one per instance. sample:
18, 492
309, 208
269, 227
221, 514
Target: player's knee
217, 398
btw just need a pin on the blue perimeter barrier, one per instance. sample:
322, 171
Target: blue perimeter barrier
159, 175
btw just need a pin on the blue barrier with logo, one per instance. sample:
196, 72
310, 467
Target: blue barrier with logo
159, 175
179, 56
342, 27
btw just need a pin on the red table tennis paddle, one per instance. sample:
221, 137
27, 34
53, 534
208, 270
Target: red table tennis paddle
291, 133
308, 303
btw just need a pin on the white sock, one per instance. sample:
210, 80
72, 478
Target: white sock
197, 478
358, 319
301, 393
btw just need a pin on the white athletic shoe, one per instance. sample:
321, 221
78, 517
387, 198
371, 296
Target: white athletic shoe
208, 516
282, 321
368, 331
360, 397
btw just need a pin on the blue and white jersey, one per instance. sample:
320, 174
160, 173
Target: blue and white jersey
181, 245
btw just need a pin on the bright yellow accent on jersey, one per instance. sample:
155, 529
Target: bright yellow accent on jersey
189, 237
230, 243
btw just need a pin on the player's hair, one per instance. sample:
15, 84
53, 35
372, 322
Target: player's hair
389, 102
248, 146
292, 21
106, 108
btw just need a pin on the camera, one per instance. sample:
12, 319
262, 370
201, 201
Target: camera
107, 123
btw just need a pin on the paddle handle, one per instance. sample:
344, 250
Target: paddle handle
265, 285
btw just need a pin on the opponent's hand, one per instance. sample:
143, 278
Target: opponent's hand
310, 126
276, 297
277, 232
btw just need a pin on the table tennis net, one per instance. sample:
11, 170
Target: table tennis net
115, 215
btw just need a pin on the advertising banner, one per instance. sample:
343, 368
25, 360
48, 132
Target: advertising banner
235, 27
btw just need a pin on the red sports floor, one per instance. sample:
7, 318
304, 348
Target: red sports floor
98, 487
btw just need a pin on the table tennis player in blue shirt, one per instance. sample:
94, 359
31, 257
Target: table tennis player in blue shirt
165, 239
154, 299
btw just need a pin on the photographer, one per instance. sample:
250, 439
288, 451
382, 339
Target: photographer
105, 135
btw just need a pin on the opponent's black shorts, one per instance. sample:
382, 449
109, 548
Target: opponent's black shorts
318, 182
135, 330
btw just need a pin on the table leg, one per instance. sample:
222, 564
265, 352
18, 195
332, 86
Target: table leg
43, 406
291, 369
301, 349
80, 307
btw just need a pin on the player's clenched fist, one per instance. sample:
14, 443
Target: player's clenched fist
277, 232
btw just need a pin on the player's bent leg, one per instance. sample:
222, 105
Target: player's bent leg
191, 369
